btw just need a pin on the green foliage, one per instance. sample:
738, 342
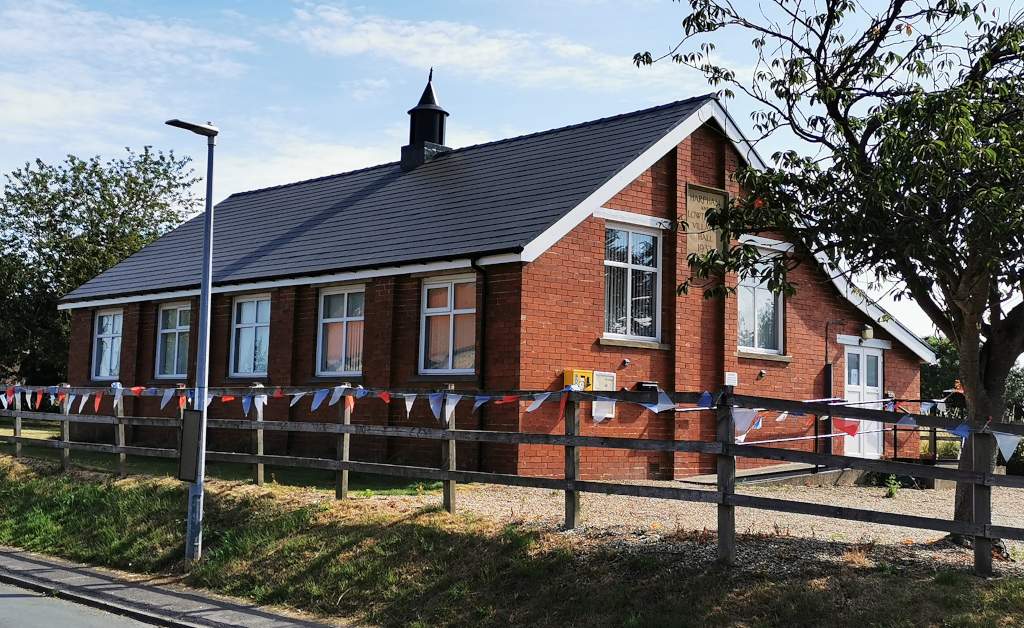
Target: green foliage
63, 224
913, 120
935, 378
949, 450
892, 486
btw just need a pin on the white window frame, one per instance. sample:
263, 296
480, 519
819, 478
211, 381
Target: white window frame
96, 344
449, 309
177, 331
346, 319
780, 309
630, 267
235, 326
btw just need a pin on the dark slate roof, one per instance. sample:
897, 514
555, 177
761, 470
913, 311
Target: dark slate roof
484, 199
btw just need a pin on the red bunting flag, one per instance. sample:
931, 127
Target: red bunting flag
39, 398
96, 401
848, 427
350, 403
137, 390
182, 400
278, 393
227, 398
385, 396
10, 395
61, 397
507, 399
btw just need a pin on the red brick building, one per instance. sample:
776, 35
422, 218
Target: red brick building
494, 267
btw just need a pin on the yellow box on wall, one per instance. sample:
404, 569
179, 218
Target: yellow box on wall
580, 378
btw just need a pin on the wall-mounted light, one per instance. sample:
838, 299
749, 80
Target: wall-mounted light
867, 332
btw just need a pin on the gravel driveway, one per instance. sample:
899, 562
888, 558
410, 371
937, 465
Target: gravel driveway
545, 508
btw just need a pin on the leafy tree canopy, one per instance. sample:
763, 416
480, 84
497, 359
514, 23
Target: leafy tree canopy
61, 225
913, 114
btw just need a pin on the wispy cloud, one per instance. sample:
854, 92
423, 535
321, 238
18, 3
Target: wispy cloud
523, 59
366, 89
55, 31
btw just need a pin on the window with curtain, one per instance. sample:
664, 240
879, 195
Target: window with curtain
760, 315
172, 340
631, 283
340, 343
106, 350
250, 339
448, 326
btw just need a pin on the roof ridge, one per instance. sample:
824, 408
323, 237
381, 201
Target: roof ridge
514, 138
585, 123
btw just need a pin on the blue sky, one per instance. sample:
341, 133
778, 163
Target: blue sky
304, 89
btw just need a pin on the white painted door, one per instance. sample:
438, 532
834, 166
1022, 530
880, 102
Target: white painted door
864, 383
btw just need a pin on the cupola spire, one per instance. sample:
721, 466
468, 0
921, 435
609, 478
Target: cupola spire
426, 128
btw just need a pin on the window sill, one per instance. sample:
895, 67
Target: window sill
771, 357
444, 377
633, 344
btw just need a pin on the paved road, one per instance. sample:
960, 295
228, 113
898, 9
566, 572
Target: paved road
20, 608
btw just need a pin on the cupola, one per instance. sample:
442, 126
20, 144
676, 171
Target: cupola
426, 129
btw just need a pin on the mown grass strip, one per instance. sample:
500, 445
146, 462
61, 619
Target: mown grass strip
390, 563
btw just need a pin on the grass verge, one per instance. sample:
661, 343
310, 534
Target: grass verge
392, 562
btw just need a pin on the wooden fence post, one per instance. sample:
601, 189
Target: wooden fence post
344, 444
17, 423
983, 450
257, 437
572, 465
726, 435
120, 441
448, 460
65, 431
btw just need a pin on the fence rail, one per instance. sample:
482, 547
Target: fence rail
724, 448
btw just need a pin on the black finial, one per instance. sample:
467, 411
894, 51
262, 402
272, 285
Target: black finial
430, 77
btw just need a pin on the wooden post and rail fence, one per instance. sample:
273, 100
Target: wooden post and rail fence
724, 448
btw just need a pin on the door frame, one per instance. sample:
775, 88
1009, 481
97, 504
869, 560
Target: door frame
862, 439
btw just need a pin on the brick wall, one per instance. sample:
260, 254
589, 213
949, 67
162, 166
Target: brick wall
534, 321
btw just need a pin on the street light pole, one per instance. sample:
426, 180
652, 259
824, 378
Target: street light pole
194, 534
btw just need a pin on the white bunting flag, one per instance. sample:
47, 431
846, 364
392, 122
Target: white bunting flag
450, 401
926, 407
118, 396
164, 398
296, 397
537, 401
260, 401
782, 417
3, 401
741, 438
744, 418
71, 400
339, 392
81, 404
1007, 444
664, 403
209, 400
409, 400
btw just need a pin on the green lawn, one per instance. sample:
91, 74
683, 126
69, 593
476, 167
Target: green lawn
397, 565
363, 484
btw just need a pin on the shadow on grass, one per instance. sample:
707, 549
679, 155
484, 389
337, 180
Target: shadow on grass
395, 565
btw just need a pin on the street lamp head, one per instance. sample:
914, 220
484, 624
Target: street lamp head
200, 129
